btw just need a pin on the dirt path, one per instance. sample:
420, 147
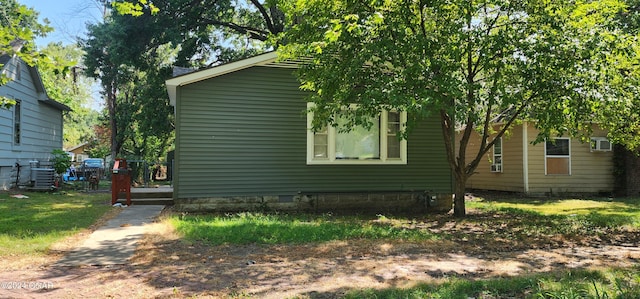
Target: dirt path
165, 266
175, 269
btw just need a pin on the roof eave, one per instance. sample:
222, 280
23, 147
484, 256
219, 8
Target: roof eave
174, 83
56, 104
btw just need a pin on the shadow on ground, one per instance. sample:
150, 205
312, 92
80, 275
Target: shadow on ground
486, 245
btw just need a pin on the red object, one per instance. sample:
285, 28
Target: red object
120, 181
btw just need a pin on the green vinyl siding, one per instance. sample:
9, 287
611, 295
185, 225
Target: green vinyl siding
244, 134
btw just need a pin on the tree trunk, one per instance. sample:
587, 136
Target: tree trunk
459, 209
456, 162
111, 105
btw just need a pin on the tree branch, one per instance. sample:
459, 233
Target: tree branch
490, 25
265, 16
253, 32
424, 33
487, 121
446, 125
504, 129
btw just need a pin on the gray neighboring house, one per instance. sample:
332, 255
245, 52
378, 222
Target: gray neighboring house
31, 129
243, 142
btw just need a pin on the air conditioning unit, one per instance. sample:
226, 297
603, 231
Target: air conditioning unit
42, 178
600, 144
496, 168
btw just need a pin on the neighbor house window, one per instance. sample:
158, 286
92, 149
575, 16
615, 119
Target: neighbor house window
378, 144
496, 166
558, 156
16, 122
600, 144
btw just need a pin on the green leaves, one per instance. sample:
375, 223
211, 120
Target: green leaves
6, 103
135, 9
476, 53
559, 64
19, 27
63, 78
61, 160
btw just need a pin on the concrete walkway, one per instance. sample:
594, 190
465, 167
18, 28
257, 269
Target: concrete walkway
114, 243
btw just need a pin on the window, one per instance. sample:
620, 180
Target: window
600, 144
558, 156
16, 122
496, 165
379, 144
359, 143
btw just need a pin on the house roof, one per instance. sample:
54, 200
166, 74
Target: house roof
78, 146
267, 59
71, 149
4, 58
38, 84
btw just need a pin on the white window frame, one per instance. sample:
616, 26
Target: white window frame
546, 172
497, 167
17, 123
331, 147
596, 144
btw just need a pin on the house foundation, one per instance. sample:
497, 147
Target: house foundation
375, 202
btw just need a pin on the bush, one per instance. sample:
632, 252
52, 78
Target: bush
61, 160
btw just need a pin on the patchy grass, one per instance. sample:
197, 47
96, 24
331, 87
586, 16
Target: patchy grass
31, 225
579, 213
624, 206
513, 223
493, 229
578, 284
257, 228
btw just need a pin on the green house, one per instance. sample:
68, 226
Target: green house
243, 142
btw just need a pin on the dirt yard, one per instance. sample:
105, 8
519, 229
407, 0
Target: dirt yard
165, 266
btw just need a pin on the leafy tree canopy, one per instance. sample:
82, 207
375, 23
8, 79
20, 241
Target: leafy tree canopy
18, 28
125, 53
132, 53
65, 82
473, 64
210, 31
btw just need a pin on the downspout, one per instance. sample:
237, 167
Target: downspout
525, 157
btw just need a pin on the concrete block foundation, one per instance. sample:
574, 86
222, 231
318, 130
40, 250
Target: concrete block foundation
376, 202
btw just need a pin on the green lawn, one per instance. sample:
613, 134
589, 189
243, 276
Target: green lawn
605, 206
515, 222
244, 228
30, 226
524, 218
581, 214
